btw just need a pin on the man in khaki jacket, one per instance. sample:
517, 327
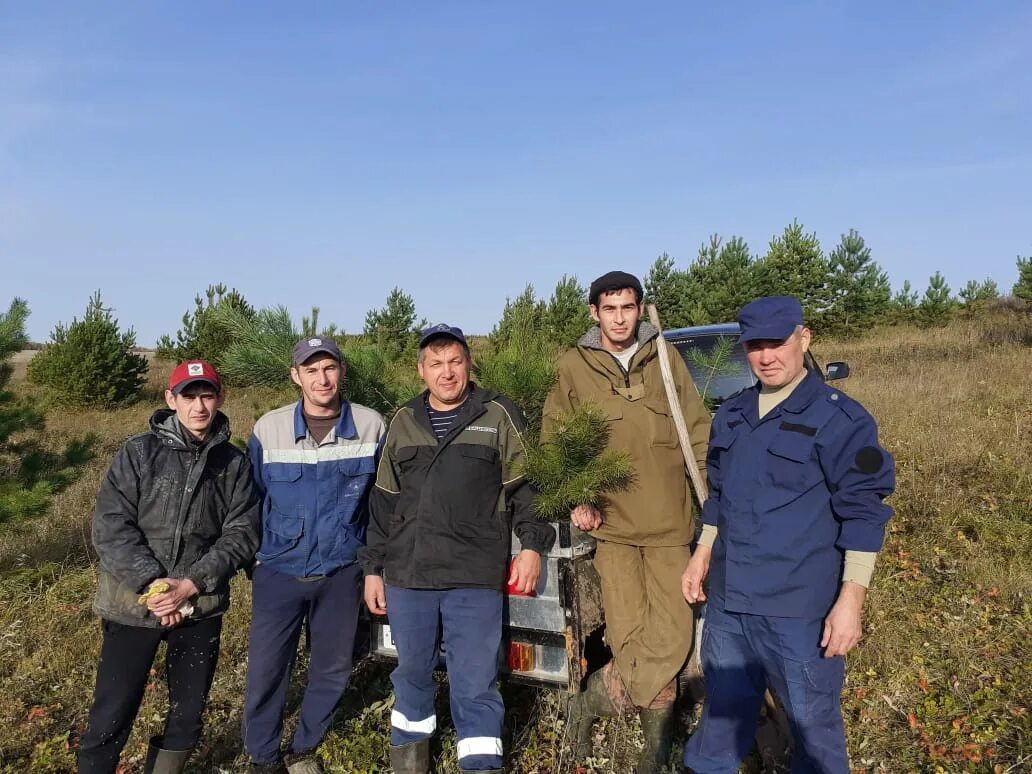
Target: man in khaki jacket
643, 533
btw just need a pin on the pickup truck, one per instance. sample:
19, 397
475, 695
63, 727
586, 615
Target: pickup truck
556, 637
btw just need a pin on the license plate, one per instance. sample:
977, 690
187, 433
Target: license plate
388, 641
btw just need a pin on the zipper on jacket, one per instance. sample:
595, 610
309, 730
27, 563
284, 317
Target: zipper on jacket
184, 509
626, 373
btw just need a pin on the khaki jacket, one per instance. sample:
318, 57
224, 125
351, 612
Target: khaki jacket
657, 509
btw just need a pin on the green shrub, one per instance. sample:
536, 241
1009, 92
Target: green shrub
90, 362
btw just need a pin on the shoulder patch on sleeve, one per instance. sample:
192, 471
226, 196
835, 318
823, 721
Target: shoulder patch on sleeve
869, 459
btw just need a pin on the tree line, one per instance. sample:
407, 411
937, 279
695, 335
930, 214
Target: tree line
93, 362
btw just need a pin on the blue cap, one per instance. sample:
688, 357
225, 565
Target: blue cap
442, 329
772, 318
305, 348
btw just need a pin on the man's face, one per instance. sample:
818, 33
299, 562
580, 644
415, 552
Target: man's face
777, 363
195, 407
617, 316
319, 378
444, 368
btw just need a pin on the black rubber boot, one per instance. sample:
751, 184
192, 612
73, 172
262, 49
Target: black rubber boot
584, 709
411, 758
657, 725
161, 761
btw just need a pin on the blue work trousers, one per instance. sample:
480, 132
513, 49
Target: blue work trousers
280, 606
743, 654
466, 625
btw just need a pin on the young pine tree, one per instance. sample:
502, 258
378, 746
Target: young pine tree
858, 289
936, 305
722, 280
795, 266
669, 289
201, 336
90, 362
1023, 287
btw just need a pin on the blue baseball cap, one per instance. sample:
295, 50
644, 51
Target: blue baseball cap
305, 348
772, 318
442, 329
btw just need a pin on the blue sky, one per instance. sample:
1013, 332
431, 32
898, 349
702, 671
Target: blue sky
322, 153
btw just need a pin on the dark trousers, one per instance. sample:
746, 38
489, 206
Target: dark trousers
743, 654
467, 625
280, 605
126, 656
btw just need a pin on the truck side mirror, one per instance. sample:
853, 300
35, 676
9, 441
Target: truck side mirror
837, 370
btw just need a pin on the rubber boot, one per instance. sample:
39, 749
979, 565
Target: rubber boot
584, 709
161, 761
657, 725
413, 758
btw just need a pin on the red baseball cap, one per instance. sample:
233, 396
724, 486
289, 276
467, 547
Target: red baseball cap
191, 371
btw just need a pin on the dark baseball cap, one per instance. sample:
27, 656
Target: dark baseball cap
305, 348
192, 371
442, 330
771, 318
611, 282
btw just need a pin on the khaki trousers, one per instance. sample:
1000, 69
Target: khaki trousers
648, 622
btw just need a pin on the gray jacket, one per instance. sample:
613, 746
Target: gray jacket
170, 507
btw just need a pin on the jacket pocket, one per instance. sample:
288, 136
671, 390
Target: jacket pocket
280, 533
661, 431
282, 473
790, 469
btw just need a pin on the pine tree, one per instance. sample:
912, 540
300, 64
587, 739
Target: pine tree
903, 307
977, 295
936, 305
523, 317
795, 266
668, 289
90, 362
720, 281
858, 288
566, 315
201, 337
393, 327
30, 474
1023, 287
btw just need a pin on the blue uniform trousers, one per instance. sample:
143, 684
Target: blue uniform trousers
466, 625
741, 655
280, 605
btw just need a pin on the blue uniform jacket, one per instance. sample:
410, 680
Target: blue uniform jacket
315, 496
789, 495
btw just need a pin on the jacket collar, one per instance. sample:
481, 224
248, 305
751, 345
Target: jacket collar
593, 338
800, 399
345, 427
163, 423
473, 407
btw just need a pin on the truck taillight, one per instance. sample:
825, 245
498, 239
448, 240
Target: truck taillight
520, 657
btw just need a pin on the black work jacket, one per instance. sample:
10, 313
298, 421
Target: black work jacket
442, 512
175, 509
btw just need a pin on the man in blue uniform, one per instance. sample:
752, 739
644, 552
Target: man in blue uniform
794, 517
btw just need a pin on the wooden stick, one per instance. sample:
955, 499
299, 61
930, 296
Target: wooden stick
698, 482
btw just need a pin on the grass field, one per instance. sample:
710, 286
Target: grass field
942, 681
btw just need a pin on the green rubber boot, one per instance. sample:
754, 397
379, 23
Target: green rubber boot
584, 709
657, 725
161, 761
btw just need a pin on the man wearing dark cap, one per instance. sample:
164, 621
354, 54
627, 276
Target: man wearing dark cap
313, 462
447, 499
794, 517
176, 517
643, 534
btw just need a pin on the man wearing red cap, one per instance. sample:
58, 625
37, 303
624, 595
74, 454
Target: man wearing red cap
176, 516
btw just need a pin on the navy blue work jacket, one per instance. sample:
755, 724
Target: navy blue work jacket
789, 494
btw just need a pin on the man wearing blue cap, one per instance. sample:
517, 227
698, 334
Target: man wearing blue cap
448, 497
794, 517
313, 462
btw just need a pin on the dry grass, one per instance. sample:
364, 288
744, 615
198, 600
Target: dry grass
942, 682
